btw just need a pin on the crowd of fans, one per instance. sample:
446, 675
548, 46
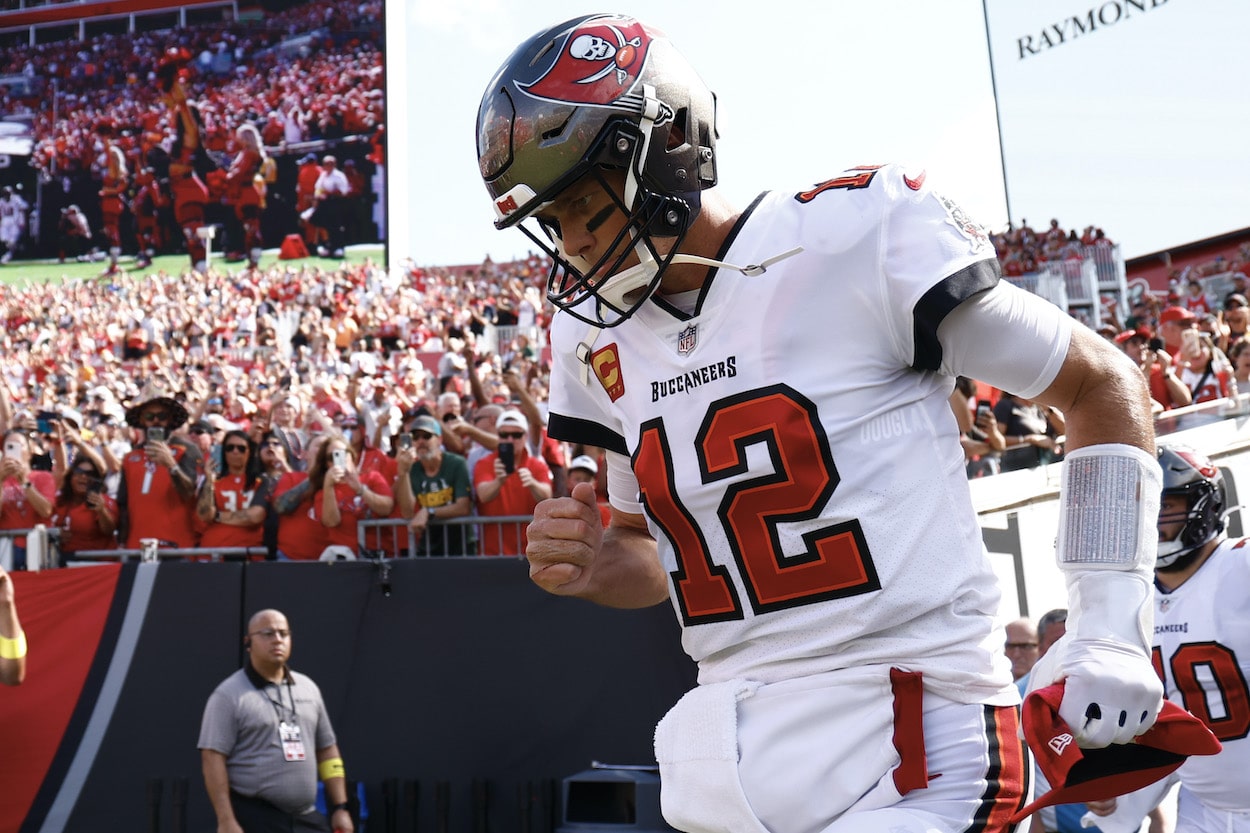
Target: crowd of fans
279, 361
312, 73
258, 376
1021, 249
1189, 342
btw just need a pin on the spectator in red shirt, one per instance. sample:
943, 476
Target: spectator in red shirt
505, 488
300, 536
343, 497
1173, 321
1166, 388
26, 496
1195, 298
85, 513
232, 503
156, 496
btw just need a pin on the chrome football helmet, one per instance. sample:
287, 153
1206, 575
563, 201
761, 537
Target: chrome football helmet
609, 98
1192, 476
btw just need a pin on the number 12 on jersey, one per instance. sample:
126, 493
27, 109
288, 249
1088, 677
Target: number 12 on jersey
836, 562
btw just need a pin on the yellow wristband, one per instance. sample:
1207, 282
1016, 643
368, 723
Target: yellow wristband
16, 649
331, 768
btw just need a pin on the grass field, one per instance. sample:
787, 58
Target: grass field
22, 272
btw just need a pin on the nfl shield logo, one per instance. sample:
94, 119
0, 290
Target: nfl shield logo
687, 339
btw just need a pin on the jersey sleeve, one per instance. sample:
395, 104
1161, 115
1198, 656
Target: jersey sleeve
934, 257
577, 411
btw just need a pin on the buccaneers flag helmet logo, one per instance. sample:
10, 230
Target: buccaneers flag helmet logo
599, 62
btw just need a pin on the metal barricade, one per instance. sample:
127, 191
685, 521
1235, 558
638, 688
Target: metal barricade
462, 537
380, 538
42, 547
159, 553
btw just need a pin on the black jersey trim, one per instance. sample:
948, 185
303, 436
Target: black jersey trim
682, 315
584, 431
933, 307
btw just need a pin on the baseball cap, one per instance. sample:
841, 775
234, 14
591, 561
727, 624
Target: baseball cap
1140, 332
1080, 775
1178, 314
586, 462
428, 424
512, 417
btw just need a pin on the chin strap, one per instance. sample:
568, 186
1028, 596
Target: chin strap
586, 346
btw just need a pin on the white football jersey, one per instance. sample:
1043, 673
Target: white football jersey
795, 452
1202, 652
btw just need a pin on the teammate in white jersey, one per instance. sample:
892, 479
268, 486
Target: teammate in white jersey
1201, 649
771, 388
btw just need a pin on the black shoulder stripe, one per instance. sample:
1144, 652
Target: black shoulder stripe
573, 430
933, 307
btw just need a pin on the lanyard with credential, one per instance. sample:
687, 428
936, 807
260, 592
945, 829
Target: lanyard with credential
288, 731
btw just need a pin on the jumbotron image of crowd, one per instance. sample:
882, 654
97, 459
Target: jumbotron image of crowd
142, 139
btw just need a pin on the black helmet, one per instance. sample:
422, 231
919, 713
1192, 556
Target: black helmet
595, 94
1190, 475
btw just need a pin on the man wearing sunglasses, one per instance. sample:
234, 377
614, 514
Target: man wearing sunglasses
432, 485
266, 739
156, 496
510, 481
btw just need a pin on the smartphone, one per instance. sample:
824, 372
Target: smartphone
95, 487
983, 410
403, 441
1156, 344
507, 456
156, 435
44, 420
339, 457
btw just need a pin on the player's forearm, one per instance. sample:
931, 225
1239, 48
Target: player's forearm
1102, 396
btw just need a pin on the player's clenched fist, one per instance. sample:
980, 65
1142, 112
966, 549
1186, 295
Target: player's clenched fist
564, 538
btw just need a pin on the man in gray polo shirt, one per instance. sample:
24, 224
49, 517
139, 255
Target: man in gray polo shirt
266, 738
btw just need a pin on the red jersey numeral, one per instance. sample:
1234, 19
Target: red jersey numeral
1226, 708
836, 562
847, 182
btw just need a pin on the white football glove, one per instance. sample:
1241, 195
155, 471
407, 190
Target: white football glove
1112, 693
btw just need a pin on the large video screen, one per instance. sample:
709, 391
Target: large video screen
91, 130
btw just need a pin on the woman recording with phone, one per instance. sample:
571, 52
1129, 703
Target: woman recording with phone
343, 496
84, 512
26, 496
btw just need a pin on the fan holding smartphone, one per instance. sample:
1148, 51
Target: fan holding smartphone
343, 495
157, 493
509, 482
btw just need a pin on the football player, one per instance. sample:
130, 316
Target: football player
805, 507
1201, 649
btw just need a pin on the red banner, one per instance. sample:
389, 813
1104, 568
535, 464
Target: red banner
63, 613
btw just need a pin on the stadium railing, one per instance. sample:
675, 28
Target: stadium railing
381, 538
1082, 287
